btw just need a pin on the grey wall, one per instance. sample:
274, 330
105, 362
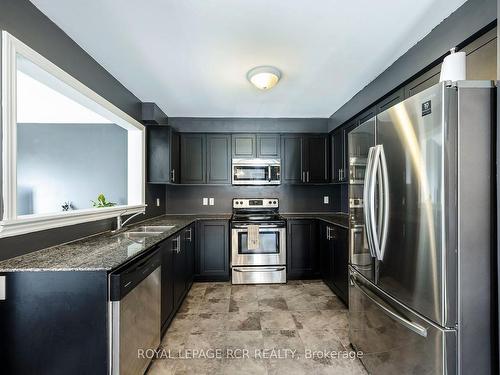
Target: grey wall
460, 26
23, 20
185, 199
69, 162
242, 125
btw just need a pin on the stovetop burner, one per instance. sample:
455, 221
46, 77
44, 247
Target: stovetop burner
256, 210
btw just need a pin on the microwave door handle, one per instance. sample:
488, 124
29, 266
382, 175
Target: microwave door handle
269, 173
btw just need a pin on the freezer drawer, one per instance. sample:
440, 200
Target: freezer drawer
393, 339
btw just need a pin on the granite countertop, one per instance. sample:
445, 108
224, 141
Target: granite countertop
337, 218
105, 251
101, 252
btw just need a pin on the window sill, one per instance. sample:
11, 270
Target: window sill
36, 223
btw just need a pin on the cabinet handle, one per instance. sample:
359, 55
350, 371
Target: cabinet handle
176, 245
3, 292
338, 174
303, 176
190, 238
173, 175
307, 174
328, 233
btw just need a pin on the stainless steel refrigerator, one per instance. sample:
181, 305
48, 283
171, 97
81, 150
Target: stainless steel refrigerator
421, 197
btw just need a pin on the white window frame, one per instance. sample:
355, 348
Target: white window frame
11, 224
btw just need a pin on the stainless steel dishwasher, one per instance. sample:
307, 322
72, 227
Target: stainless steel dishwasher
134, 314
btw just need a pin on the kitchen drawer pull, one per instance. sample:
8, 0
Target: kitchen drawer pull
417, 328
260, 269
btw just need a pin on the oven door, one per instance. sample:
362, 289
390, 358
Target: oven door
272, 249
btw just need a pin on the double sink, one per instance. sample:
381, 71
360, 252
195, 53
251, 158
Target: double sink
145, 231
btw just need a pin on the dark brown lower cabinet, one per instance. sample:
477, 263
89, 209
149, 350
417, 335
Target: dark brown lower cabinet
334, 255
212, 250
302, 249
177, 271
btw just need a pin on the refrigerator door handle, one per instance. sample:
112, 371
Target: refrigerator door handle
385, 194
417, 328
374, 170
366, 200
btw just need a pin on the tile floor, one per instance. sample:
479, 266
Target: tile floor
263, 329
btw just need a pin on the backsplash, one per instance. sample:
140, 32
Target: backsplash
187, 199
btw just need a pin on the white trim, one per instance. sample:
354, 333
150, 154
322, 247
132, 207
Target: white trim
35, 223
10, 224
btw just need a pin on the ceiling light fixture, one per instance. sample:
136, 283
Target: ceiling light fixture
264, 77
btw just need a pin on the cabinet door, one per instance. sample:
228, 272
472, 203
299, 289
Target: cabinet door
167, 281
337, 145
316, 158
244, 146
158, 153
219, 158
268, 146
212, 255
389, 101
302, 249
179, 268
291, 161
340, 261
193, 155
326, 258
482, 57
189, 246
175, 158
426, 80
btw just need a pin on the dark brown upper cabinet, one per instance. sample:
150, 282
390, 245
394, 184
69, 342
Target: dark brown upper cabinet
426, 80
162, 154
291, 161
268, 146
386, 103
304, 158
218, 158
205, 158
315, 158
193, 158
244, 145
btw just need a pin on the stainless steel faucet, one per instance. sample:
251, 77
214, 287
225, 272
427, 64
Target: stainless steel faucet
120, 223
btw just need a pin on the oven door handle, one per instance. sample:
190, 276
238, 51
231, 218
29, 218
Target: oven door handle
260, 269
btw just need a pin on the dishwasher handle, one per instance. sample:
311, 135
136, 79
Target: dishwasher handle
122, 281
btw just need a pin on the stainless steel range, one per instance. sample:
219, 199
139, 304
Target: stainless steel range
258, 242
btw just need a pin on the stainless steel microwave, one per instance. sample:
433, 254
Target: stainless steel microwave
256, 171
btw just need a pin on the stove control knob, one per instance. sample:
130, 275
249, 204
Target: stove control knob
270, 202
275, 202
241, 202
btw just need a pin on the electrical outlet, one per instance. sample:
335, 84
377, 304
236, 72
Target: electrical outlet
157, 202
205, 201
326, 199
212, 201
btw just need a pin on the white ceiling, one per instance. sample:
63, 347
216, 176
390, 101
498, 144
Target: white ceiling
191, 56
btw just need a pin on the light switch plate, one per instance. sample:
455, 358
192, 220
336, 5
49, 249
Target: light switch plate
205, 201
326, 199
212, 201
